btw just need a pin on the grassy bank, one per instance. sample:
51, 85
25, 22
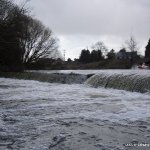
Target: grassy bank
106, 64
75, 65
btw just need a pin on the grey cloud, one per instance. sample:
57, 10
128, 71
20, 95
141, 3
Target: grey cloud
94, 19
95, 16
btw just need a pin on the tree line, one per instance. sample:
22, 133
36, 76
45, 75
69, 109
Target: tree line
97, 54
100, 52
23, 39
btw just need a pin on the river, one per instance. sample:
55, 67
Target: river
41, 116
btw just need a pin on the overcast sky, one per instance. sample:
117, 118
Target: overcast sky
80, 23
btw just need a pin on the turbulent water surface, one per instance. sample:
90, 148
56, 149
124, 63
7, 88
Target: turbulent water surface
42, 116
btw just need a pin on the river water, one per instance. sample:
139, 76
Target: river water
42, 116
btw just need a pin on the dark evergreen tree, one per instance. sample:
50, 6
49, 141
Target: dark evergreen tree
96, 55
69, 60
147, 51
85, 56
99, 55
111, 54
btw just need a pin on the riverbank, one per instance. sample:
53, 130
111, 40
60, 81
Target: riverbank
76, 65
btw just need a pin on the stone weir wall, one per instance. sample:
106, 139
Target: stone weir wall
70, 78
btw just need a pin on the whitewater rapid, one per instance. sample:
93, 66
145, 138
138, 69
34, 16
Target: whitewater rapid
42, 116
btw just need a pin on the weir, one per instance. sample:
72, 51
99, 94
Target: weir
134, 81
130, 82
70, 78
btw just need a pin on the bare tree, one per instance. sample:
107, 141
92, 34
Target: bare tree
37, 41
100, 46
23, 39
11, 25
132, 46
5, 8
9, 10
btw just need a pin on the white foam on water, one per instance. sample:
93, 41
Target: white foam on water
75, 100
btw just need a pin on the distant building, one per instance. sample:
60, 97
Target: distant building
123, 55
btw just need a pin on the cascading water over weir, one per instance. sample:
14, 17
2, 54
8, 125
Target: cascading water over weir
129, 82
125, 80
74, 109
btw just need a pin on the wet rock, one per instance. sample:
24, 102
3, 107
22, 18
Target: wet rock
89, 75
